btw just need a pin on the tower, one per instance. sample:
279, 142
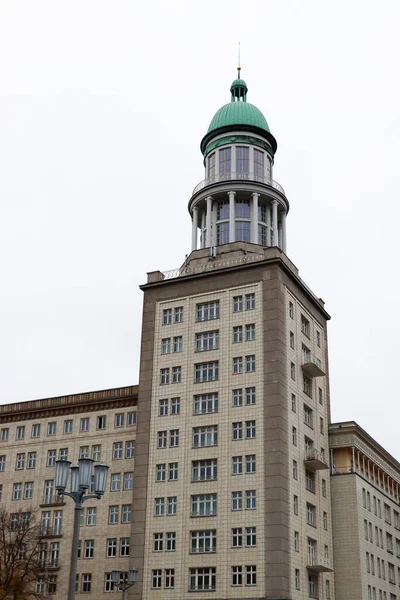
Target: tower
231, 491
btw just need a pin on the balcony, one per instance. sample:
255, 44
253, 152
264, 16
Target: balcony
238, 177
53, 564
312, 366
52, 499
52, 531
319, 564
315, 461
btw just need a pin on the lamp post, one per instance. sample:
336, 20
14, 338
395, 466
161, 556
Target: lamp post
81, 476
127, 583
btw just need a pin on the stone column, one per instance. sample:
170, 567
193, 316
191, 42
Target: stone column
275, 241
195, 219
203, 225
208, 222
283, 217
254, 219
268, 223
232, 231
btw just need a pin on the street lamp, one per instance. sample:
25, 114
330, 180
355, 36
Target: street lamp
126, 583
80, 480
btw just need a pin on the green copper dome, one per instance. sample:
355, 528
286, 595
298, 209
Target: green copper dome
238, 115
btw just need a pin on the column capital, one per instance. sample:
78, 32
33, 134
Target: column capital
209, 198
274, 201
255, 195
231, 193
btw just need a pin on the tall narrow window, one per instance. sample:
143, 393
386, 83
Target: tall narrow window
258, 165
225, 161
211, 166
242, 161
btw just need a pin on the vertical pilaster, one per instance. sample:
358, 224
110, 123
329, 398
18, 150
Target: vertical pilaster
208, 222
284, 232
275, 241
232, 232
203, 225
254, 219
195, 218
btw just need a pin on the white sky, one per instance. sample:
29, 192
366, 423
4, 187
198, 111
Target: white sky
102, 109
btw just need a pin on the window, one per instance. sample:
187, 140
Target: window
83, 451
251, 575
132, 418
211, 166
237, 537
242, 160
321, 426
156, 578
115, 485
387, 514
178, 312
117, 450
204, 470
294, 404
174, 438
237, 431
39, 586
318, 339
294, 469
202, 579
308, 416
237, 500
89, 549
86, 582
126, 513
113, 515
28, 491
205, 403
20, 432
294, 436
173, 471
101, 422
250, 499
158, 541
91, 516
310, 481
51, 458
291, 310
297, 579
305, 326
84, 425
296, 540
313, 586
208, 340
171, 505
203, 541
159, 507
251, 537
4, 434
237, 303
293, 371
237, 465
208, 311
307, 386
166, 346
389, 543
164, 376
296, 505
204, 505
163, 407
237, 397
176, 374
51, 428
96, 452
237, 334
111, 547
119, 420
250, 429
63, 454
36, 430
175, 406
291, 336
177, 343
250, 363
250, 301
68, 426
325, 520
167, 316
130, 448
160, 472
52, 584
237, 365
250, 396
17, 491
205, 436
20, 461
206, 372
311, 514
31, 463
169, 578
2, 463
237, 576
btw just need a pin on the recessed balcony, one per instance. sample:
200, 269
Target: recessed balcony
319, 564
312, 366
235, 176
315, 461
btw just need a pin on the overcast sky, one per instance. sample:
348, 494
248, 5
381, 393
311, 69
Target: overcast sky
102, 109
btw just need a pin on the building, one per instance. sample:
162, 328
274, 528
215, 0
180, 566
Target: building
32, 435
366, 515
232, 485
